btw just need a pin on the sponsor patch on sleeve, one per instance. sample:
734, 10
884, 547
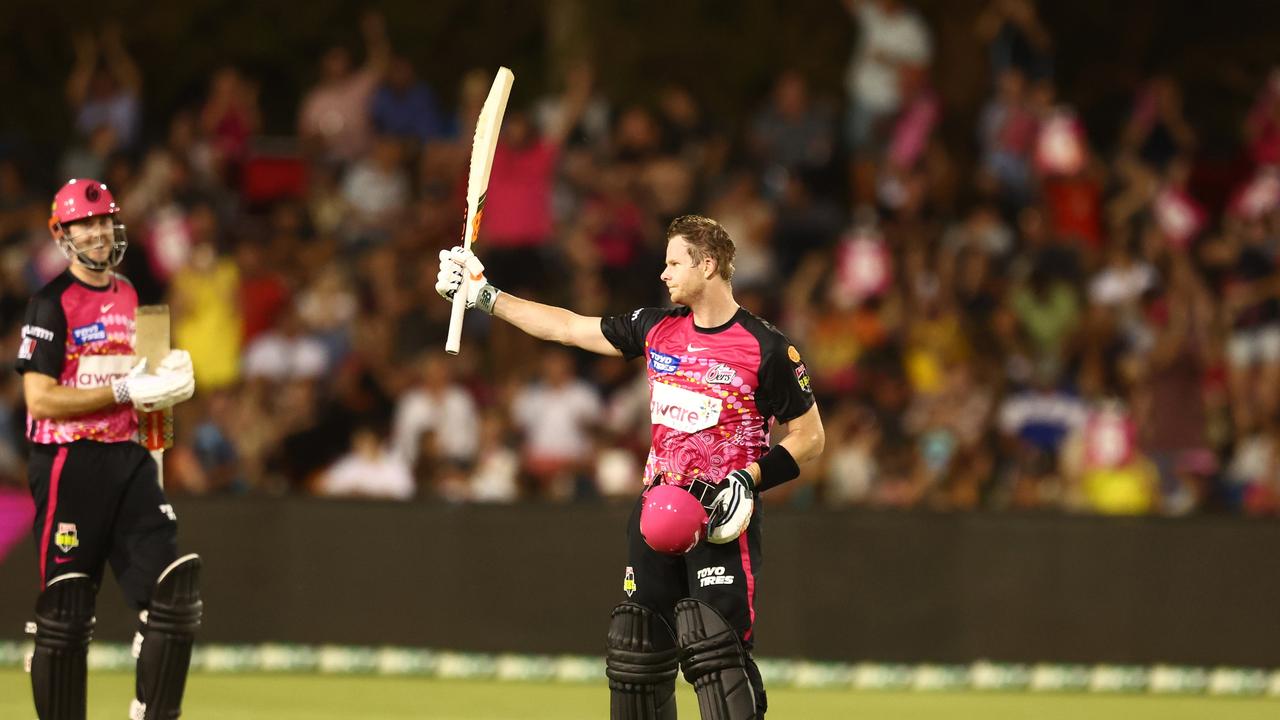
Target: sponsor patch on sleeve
27, 349
802, 378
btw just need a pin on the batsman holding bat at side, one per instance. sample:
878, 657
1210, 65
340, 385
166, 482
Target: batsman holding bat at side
95, 489
717, 376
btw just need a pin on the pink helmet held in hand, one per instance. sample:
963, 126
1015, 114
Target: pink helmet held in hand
671, 520
82, 199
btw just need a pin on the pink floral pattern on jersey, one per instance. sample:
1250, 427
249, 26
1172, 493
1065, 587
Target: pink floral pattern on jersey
716, 368
114, 311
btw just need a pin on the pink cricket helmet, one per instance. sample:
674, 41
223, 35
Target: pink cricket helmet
671, 520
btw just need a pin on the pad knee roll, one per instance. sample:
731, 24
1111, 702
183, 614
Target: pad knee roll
63, 628
164, 640
641, 663
714, 661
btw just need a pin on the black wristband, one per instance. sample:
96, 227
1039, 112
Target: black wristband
776, 467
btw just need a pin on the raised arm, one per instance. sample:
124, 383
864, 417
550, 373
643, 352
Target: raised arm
548, 322
86, 48
544, 322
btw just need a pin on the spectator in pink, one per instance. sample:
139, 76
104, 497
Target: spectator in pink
231, 117
518, 222
334, 121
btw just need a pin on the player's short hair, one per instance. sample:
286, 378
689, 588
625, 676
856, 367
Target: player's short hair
706, 238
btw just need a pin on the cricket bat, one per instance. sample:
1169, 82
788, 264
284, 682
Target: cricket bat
482, 147
155, 429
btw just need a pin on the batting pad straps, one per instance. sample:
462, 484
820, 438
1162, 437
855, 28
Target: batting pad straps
487, 297
776, 467
163, 645
63, 627
641, 664
714, 662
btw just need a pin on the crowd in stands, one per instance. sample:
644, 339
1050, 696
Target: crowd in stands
1064, 320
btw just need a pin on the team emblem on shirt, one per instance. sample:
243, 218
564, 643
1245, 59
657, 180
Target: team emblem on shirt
720, 375
629, 582
793, 353
67, 538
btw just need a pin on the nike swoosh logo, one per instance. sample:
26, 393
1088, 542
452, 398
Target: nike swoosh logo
106, 307
62, 560
691, 348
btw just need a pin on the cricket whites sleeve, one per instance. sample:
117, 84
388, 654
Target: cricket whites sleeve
42, 348
628, 332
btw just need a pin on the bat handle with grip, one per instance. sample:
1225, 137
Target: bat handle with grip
454, 340
158, 455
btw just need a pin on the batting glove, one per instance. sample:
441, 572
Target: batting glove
148, 393
453, 262
729, 505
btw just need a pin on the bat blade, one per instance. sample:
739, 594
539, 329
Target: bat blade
483, 145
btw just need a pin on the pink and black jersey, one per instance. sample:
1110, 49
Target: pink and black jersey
82, 336
712, 391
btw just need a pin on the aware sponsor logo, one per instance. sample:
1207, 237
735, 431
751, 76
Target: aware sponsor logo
662, 362
99, 370
683, 410
89, 333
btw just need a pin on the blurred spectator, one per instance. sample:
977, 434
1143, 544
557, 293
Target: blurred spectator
404, 107
334, 119
262, 294
214, 448
748, 219
1262, 124
204, 299
791, 134
441, 407
19, 207
285, 353
105, 86
891, 38
495, 478
230, 119
1016, 38
579, 114
1008, 129
370, 470
1251, 302
1048, 310
851, 467
518, 223
376, 191
1158, 131
555, 416
1171, 407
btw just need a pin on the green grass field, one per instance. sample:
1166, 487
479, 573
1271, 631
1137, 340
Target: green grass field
318, 697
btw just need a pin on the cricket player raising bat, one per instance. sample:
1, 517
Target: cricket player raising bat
717, 376
95, 489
